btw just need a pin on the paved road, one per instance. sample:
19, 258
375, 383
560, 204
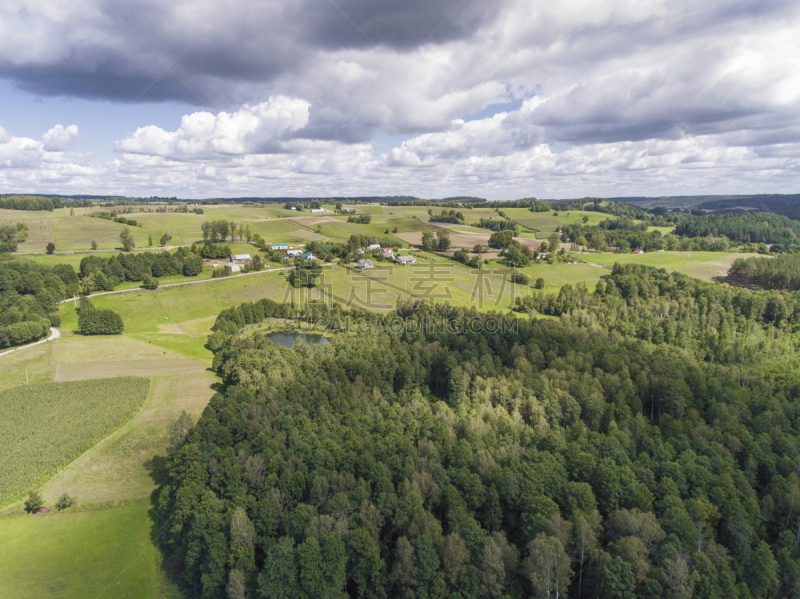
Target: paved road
54, 334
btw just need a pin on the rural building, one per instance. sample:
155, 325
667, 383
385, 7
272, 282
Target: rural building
241, 258
388, 252
638, 251
361, 251
364, 264
542, 255
308, 256
232, 267
406, 259
374, 246
531, 248
280, 246
293, 253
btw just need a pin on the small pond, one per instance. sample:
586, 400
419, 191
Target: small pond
289, 339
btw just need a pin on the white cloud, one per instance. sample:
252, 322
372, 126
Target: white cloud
60, 138
202, 135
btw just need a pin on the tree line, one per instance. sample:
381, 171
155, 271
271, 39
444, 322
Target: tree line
743, 227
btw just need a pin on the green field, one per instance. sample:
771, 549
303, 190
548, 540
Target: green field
44, 427
107, 553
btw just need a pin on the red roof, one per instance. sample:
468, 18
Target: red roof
531, 248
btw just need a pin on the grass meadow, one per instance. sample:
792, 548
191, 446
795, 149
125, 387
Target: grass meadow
102, 554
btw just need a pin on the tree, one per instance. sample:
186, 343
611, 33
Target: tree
94, 245
126, 239
548, 567
427, 240
404, 575
444, 240
51, 247
539, 284
98, 322
34, 502
165, 239
193, 266
279, 579
618, 580
150, 240
478, 249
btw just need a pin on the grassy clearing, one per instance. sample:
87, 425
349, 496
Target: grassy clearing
39, 425
129, 463
99, 554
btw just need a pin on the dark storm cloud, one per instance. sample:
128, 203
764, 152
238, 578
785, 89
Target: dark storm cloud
398, 24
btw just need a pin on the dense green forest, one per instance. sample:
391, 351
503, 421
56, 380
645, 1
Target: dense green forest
781, 272
29, 296
643, 445
744, 227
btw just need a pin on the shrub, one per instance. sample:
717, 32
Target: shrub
65, 501
539, 283
51, 247
150, 282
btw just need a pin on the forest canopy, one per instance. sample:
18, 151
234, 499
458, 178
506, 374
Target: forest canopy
653, 454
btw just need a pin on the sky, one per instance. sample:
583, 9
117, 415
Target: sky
501, 100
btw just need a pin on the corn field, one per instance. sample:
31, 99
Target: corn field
44, 427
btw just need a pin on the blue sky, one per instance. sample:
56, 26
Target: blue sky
353, 97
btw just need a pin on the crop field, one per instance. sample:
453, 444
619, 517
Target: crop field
38, 425
102, 370
129, 462
107, 553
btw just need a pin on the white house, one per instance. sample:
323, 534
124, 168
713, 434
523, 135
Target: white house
241, 258
374, 246
293, 253
364, 264
280, 246
232, 267
406, 259
388, 252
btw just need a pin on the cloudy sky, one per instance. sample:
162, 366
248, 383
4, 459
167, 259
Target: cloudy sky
501, 99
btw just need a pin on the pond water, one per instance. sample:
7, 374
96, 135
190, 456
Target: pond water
289, 339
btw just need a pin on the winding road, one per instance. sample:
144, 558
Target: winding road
54, 334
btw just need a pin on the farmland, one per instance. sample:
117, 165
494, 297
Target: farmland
114, 471
38, 425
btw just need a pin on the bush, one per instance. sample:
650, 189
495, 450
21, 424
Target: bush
34, 502
539, 283
522, 279
65, 501
51, 247
150, 283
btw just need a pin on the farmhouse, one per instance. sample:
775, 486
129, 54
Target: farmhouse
293, 253
388, 252
280, 246
374, 246
232, 267
308, 256
365, 264
241, 258
406, 259
637, 251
